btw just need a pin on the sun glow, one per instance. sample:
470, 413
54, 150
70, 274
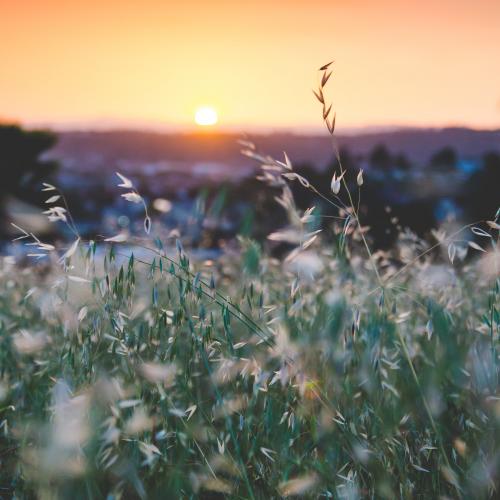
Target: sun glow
206, 116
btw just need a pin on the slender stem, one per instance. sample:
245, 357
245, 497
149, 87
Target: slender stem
229, 422
418, 257
426, 404
70, 223
356, 214
194, 440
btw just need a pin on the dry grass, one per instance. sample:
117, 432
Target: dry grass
335, 372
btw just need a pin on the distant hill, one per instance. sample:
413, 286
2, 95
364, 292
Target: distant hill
100, 149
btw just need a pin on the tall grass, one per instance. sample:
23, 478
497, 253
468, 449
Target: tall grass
129, 370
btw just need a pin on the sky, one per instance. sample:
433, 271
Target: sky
152, 63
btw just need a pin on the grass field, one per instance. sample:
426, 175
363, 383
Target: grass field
331, 371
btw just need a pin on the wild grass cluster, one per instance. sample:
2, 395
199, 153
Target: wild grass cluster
130, 369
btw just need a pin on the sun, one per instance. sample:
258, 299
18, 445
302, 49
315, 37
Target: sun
206, 116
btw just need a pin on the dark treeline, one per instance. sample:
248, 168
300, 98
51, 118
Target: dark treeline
21, 166
396, 194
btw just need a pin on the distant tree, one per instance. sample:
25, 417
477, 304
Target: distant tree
444, 159
380, 158
348, 160
402, 163
349, 164
21, 167
483, 188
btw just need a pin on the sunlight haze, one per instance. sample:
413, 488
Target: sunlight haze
151, 63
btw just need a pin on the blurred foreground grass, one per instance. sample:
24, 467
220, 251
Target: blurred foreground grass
331, 371
248, 377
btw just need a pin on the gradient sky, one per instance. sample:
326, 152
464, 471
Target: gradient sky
152, 62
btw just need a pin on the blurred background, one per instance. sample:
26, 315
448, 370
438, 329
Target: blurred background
162, 91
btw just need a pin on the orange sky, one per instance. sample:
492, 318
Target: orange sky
152, 62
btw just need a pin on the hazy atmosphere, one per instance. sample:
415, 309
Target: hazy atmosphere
152, 63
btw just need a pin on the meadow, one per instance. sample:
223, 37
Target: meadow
131, 370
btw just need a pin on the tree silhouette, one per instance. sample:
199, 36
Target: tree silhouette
380, 158
21, 167
482, 190
444, 160
402, 163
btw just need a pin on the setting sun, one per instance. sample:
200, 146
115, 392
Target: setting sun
206, 116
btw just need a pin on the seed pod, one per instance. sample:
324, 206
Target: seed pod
335, 185
359, 178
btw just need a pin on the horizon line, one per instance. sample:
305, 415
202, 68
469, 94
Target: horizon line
112, 125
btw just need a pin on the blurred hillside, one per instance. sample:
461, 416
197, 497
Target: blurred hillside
413, 178
151, 152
